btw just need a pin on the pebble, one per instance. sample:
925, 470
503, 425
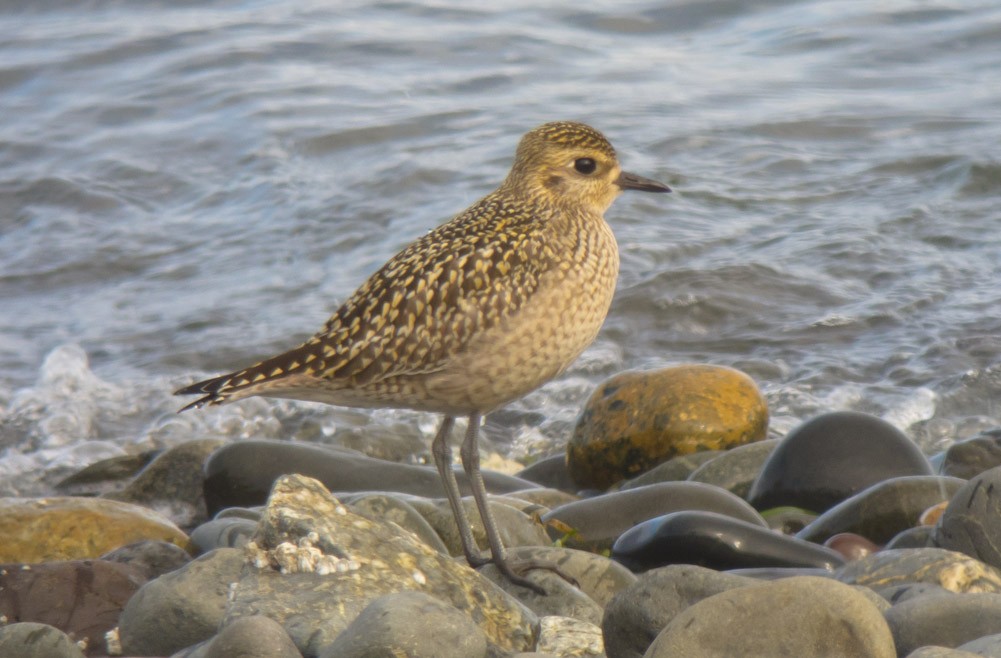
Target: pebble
953, 571
550, 472
376, 506
946, 620
223, 533
736, 469
636, 420
570, 638
249, 637
971, 457
151, 558
970, 521
673, 470
32, 640
716, 541
832, 457
515, 528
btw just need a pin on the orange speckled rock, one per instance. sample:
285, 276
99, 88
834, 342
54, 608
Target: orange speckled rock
67, 528
637, 420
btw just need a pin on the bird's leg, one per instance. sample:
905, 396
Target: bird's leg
442, 453
513, 570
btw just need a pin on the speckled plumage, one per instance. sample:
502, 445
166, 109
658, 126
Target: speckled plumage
476, 313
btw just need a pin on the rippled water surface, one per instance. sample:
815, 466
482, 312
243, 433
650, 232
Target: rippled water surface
186, 187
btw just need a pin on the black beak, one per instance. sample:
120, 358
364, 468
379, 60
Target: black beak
629, 181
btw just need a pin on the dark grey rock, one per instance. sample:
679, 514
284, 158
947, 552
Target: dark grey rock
946, 620
736, 469
675, 469
922, 536
971, 457
223, 533
31, 640
788, 520
715, 541
411, 624
970, 521
901, 592
153, 558
180, 608
881, 511
832, 457
106, 475
550, 472
595, 523
635, 616
799, 616
249, 637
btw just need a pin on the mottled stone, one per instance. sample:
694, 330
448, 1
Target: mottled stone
716, 541
31, 640
638, 613
970, 522
971, 457
946, 620
570, 638
515, 528
66, 528
595, 523
736, 469
955, 572
637, 420
316, 566
411, 624
151, 558
377, 506
172, 483
674, 469
799, 616
832, 457
82, 598
105, 475
881, 511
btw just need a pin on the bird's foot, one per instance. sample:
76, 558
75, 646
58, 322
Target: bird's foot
516, 569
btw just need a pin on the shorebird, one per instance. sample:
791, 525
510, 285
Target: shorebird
476, 313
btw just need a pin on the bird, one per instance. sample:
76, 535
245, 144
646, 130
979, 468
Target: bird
474, 314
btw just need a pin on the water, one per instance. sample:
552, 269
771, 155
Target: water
186, 187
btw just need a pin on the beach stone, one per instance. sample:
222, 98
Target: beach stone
241, 474
81, 598
180, 608
548, 498
636, 420
803, 615
881, 511
515, 528
946, 620
899, 593
376, 506
550, 472
33, 640
971, 457
674, 469
970, 522
716, 541
637, 614
942, 652
223, 533
249, 637
314, 566
106, 475
151, 558
561, 598
788, 520
68, 528
988, 645
832, 457
954, 571
172, 483
850, 546
916, 537
411, 624
736, 469
570, 638
595, 523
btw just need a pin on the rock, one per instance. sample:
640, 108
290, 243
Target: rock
988, 645
971, 457
851, 546
970, 522
550, 472
548, 498
411, 624
223, 533
953, 571
241, 474
151, 558
562, 599
884, 509
105, 475
946, 620
917, 537
315, 566
81, 598
595, 523
638, 613
803, 615
514, 527
832, 457
181, 608
570, 638
637, 420
66, 528
716, 541
391, 508
172, 483
942, 652
674, 469
31, 640
736, 469
788, 520
250, 637
899, 593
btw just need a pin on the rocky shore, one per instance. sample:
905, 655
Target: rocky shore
688, 531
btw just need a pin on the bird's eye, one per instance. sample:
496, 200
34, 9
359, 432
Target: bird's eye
585, 165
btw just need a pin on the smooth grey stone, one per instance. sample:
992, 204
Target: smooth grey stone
884, 509
941, 652
635, 616
832, 457
394, 508
736, 469
970, 521
515, 528
922, 536
561, 598
105, 475
971, 457
180, 608
788, 520
716, 541
595, 523
904, 591
154, 558
988, 646
946, 620
248, 637
550, 472
30, 640
223, 533
411, 624
675, 469
242, 473
799, 616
